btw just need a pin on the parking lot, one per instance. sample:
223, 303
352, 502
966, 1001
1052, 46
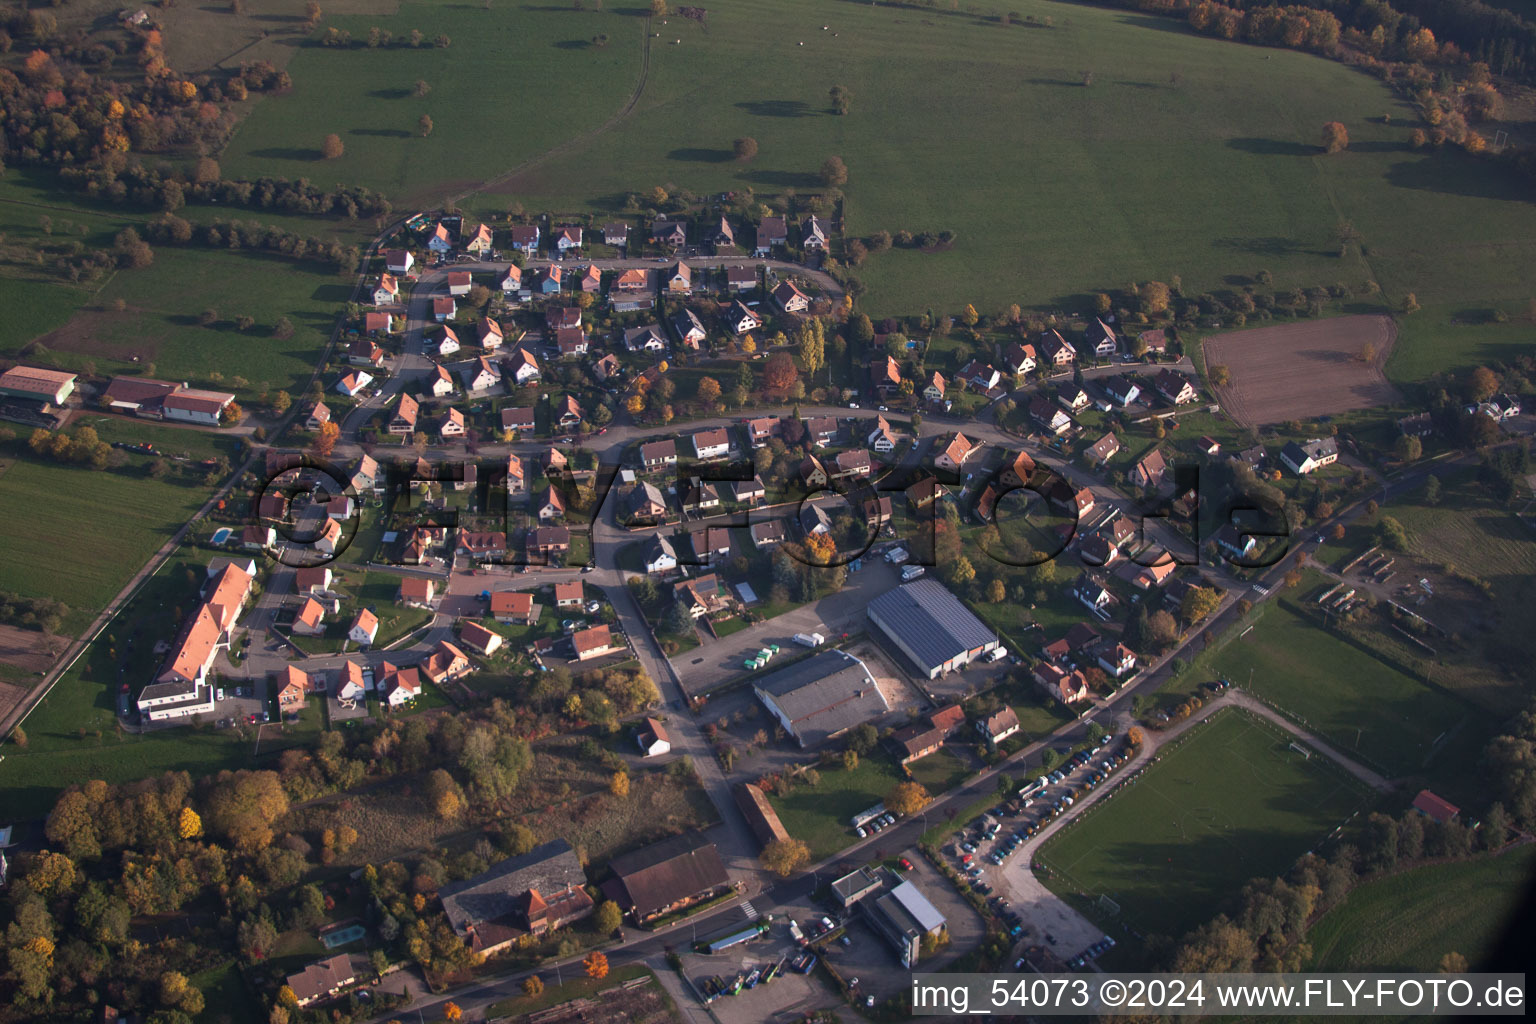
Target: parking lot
832, 616
868, 963
995, 850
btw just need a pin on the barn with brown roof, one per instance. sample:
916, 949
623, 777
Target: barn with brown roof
667, 876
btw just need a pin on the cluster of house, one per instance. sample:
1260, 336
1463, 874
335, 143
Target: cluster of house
1051, 354
548, 888
1061, 670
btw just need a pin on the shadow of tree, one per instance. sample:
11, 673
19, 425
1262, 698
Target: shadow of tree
787, 179
383, 133
1456, 173
288, 153
777, 108
1273, 147
702, 156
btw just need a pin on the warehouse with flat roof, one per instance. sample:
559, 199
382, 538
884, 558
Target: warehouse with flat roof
931, 627
821, 697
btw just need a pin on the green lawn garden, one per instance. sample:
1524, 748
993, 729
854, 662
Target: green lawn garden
821, 816
1229, 803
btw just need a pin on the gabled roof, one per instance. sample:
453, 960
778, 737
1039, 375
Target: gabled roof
664, 873
932, 621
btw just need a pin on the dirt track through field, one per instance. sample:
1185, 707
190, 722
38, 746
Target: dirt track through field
509, 182
1304, 370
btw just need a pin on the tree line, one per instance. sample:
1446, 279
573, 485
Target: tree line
1266, 930
221, 234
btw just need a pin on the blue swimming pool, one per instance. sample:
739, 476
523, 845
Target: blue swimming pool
342, 936
220, 535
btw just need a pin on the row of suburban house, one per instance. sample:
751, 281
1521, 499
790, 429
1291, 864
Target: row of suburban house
447, 238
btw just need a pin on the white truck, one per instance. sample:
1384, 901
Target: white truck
809, 639
896, 556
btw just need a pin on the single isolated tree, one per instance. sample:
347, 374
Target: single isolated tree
424, 125
834, 171
841, 98
745, 148
785, 857
332, 148
1335, 137
422, 88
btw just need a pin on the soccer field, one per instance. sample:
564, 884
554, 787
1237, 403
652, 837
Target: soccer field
1342, 694
1230, 802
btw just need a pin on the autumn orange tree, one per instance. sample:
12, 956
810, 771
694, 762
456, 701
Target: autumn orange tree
709, 390
326, 438
596, 965
1335, 137
779, 372
452, 1012
332, 148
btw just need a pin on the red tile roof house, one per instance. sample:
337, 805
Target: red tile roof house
568, 595
592, 643
446, 663
310, 620
956, 452
364, 628
295, 689
309, 580
513, 608
479, 639
416, 592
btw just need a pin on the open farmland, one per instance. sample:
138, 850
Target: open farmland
515, 81
1408, 921
77, 535
1230, 802
1304, 370
1166, 108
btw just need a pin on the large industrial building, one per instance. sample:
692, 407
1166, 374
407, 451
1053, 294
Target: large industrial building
931, 627
821, 697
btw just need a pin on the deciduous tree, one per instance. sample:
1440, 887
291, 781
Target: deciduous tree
785, 856
1335, 137
907, 798
596, 965
332, 148
834, 172
607, 918
326, 438
745, 148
